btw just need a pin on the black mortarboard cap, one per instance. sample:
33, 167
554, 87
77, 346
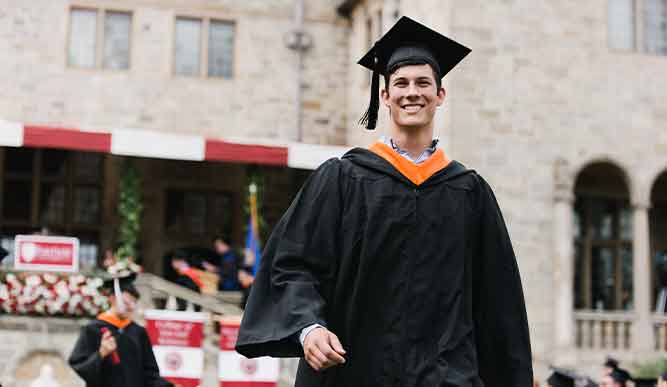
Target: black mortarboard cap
611, 362
408, 43
561, 378
126, 284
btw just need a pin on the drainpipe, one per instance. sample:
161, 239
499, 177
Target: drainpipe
298, 15
299, 41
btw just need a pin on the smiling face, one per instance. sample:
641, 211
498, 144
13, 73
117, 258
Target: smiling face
130, 303
412, 96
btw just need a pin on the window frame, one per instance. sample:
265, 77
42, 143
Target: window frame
100, 20
204, 45
587, 242
38, 180
209, 193
638, 24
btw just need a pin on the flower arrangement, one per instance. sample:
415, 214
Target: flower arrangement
48, 294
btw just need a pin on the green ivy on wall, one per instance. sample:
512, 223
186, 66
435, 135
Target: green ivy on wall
130, 208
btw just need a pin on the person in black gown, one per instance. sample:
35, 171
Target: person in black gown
393, 266
114, 351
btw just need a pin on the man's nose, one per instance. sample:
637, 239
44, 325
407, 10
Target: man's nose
413, 90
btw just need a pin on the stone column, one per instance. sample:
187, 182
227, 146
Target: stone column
642, 332
564, 268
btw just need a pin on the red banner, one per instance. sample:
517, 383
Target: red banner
177, 339
46, 253
235, 370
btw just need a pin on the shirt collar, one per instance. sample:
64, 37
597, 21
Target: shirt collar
419, 159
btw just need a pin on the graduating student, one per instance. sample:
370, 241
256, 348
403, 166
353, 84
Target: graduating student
393, 266
112, 350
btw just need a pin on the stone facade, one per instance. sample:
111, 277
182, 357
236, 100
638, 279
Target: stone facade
258, 102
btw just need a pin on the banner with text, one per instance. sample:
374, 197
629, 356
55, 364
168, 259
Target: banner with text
46, 253
236, 370
177, 339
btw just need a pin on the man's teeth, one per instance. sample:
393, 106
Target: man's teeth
412, 108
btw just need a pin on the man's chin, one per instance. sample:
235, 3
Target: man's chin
411, 125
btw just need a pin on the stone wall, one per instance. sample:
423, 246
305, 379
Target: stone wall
259, 102
28, 344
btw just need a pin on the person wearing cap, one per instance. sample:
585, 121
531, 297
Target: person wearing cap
393, 266
114, 351
615, 378
611, 365
561, 378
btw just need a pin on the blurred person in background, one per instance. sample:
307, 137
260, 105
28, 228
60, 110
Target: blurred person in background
229, 263
615, 379
112, 350
186, 276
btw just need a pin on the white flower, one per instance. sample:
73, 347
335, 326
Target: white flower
50, 278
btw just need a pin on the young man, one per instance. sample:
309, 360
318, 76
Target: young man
393, 266
112, 350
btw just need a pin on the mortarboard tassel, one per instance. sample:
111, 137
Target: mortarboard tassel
370, 118
120, 303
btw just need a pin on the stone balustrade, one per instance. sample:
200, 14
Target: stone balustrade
609, 331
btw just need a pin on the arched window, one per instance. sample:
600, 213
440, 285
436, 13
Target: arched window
602, 239
658, 230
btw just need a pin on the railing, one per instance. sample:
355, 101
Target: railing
157, 288
660, 329
603, 330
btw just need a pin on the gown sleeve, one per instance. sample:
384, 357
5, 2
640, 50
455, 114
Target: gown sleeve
85, 358
151, 370
501, 324
296, 270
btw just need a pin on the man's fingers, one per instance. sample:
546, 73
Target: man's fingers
331, 355
320, 356
335, 344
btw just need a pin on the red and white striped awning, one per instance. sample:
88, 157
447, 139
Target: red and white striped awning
146, 143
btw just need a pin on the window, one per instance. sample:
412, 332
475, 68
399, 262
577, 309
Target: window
53, 189
655, 26
198, 212
638, 25
603, 234
204, 47
658, 230
92, 47
621, 24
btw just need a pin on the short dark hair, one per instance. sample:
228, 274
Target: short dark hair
438, 80
220, 237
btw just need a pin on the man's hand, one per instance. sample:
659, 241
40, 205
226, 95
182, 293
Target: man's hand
322, 349
107, 345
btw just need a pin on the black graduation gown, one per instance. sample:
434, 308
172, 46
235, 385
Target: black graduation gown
137, 367
419, 283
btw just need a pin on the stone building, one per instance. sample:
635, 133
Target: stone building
559, 105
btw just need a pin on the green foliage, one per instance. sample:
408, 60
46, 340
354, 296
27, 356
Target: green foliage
129, 209
650, 369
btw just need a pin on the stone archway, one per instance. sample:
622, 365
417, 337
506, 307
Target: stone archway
603, 239
41, 368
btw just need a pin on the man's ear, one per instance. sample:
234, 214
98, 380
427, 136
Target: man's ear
384, 94
442, 93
